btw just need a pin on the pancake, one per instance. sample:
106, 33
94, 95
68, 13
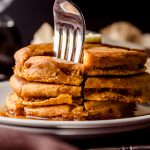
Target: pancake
66, 111
108, 109
51, 70
61, 112
61, 99
130, 89
55, 112
128, 82
116, 95
106, 60
33, 89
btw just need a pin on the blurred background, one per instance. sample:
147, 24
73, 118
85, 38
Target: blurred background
29, 15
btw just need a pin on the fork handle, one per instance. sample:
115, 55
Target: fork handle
140, 147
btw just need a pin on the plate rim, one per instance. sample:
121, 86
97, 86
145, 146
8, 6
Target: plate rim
75, 124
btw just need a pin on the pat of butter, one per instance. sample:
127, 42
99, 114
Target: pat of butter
93, 38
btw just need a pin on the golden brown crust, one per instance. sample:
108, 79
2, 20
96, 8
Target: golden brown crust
50, 69
106, 57
33, 89
109, 57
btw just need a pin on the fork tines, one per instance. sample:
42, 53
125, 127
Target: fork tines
69, 31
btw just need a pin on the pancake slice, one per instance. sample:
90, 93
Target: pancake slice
61, 99
44, 109
114, 94
50, 70
129, 89
128, 82
34, 89
106, 60
46, 112
108, 109
65, 111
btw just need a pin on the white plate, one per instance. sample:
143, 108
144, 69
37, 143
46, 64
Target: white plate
77, 128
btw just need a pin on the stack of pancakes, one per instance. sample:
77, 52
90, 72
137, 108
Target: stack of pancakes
108, 84
115, 81
44, 86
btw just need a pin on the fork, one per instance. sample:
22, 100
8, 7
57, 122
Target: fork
69, 31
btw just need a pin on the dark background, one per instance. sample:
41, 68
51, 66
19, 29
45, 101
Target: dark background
30, 14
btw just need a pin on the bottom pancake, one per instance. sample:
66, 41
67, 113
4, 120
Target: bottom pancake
64, 111
108, 109
54, 112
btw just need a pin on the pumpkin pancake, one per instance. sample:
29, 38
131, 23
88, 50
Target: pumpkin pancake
50, 70
128, 89
61, 99
25, 88
106, 60
54, 112
63, 112
108, 109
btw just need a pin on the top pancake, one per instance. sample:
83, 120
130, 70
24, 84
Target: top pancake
35, 63
106, 60
33, 67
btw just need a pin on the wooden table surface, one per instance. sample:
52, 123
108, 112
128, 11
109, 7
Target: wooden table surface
137, 137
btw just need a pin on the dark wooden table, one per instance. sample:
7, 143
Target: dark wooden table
137, 137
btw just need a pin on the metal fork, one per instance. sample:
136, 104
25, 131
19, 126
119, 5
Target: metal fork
69, 30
